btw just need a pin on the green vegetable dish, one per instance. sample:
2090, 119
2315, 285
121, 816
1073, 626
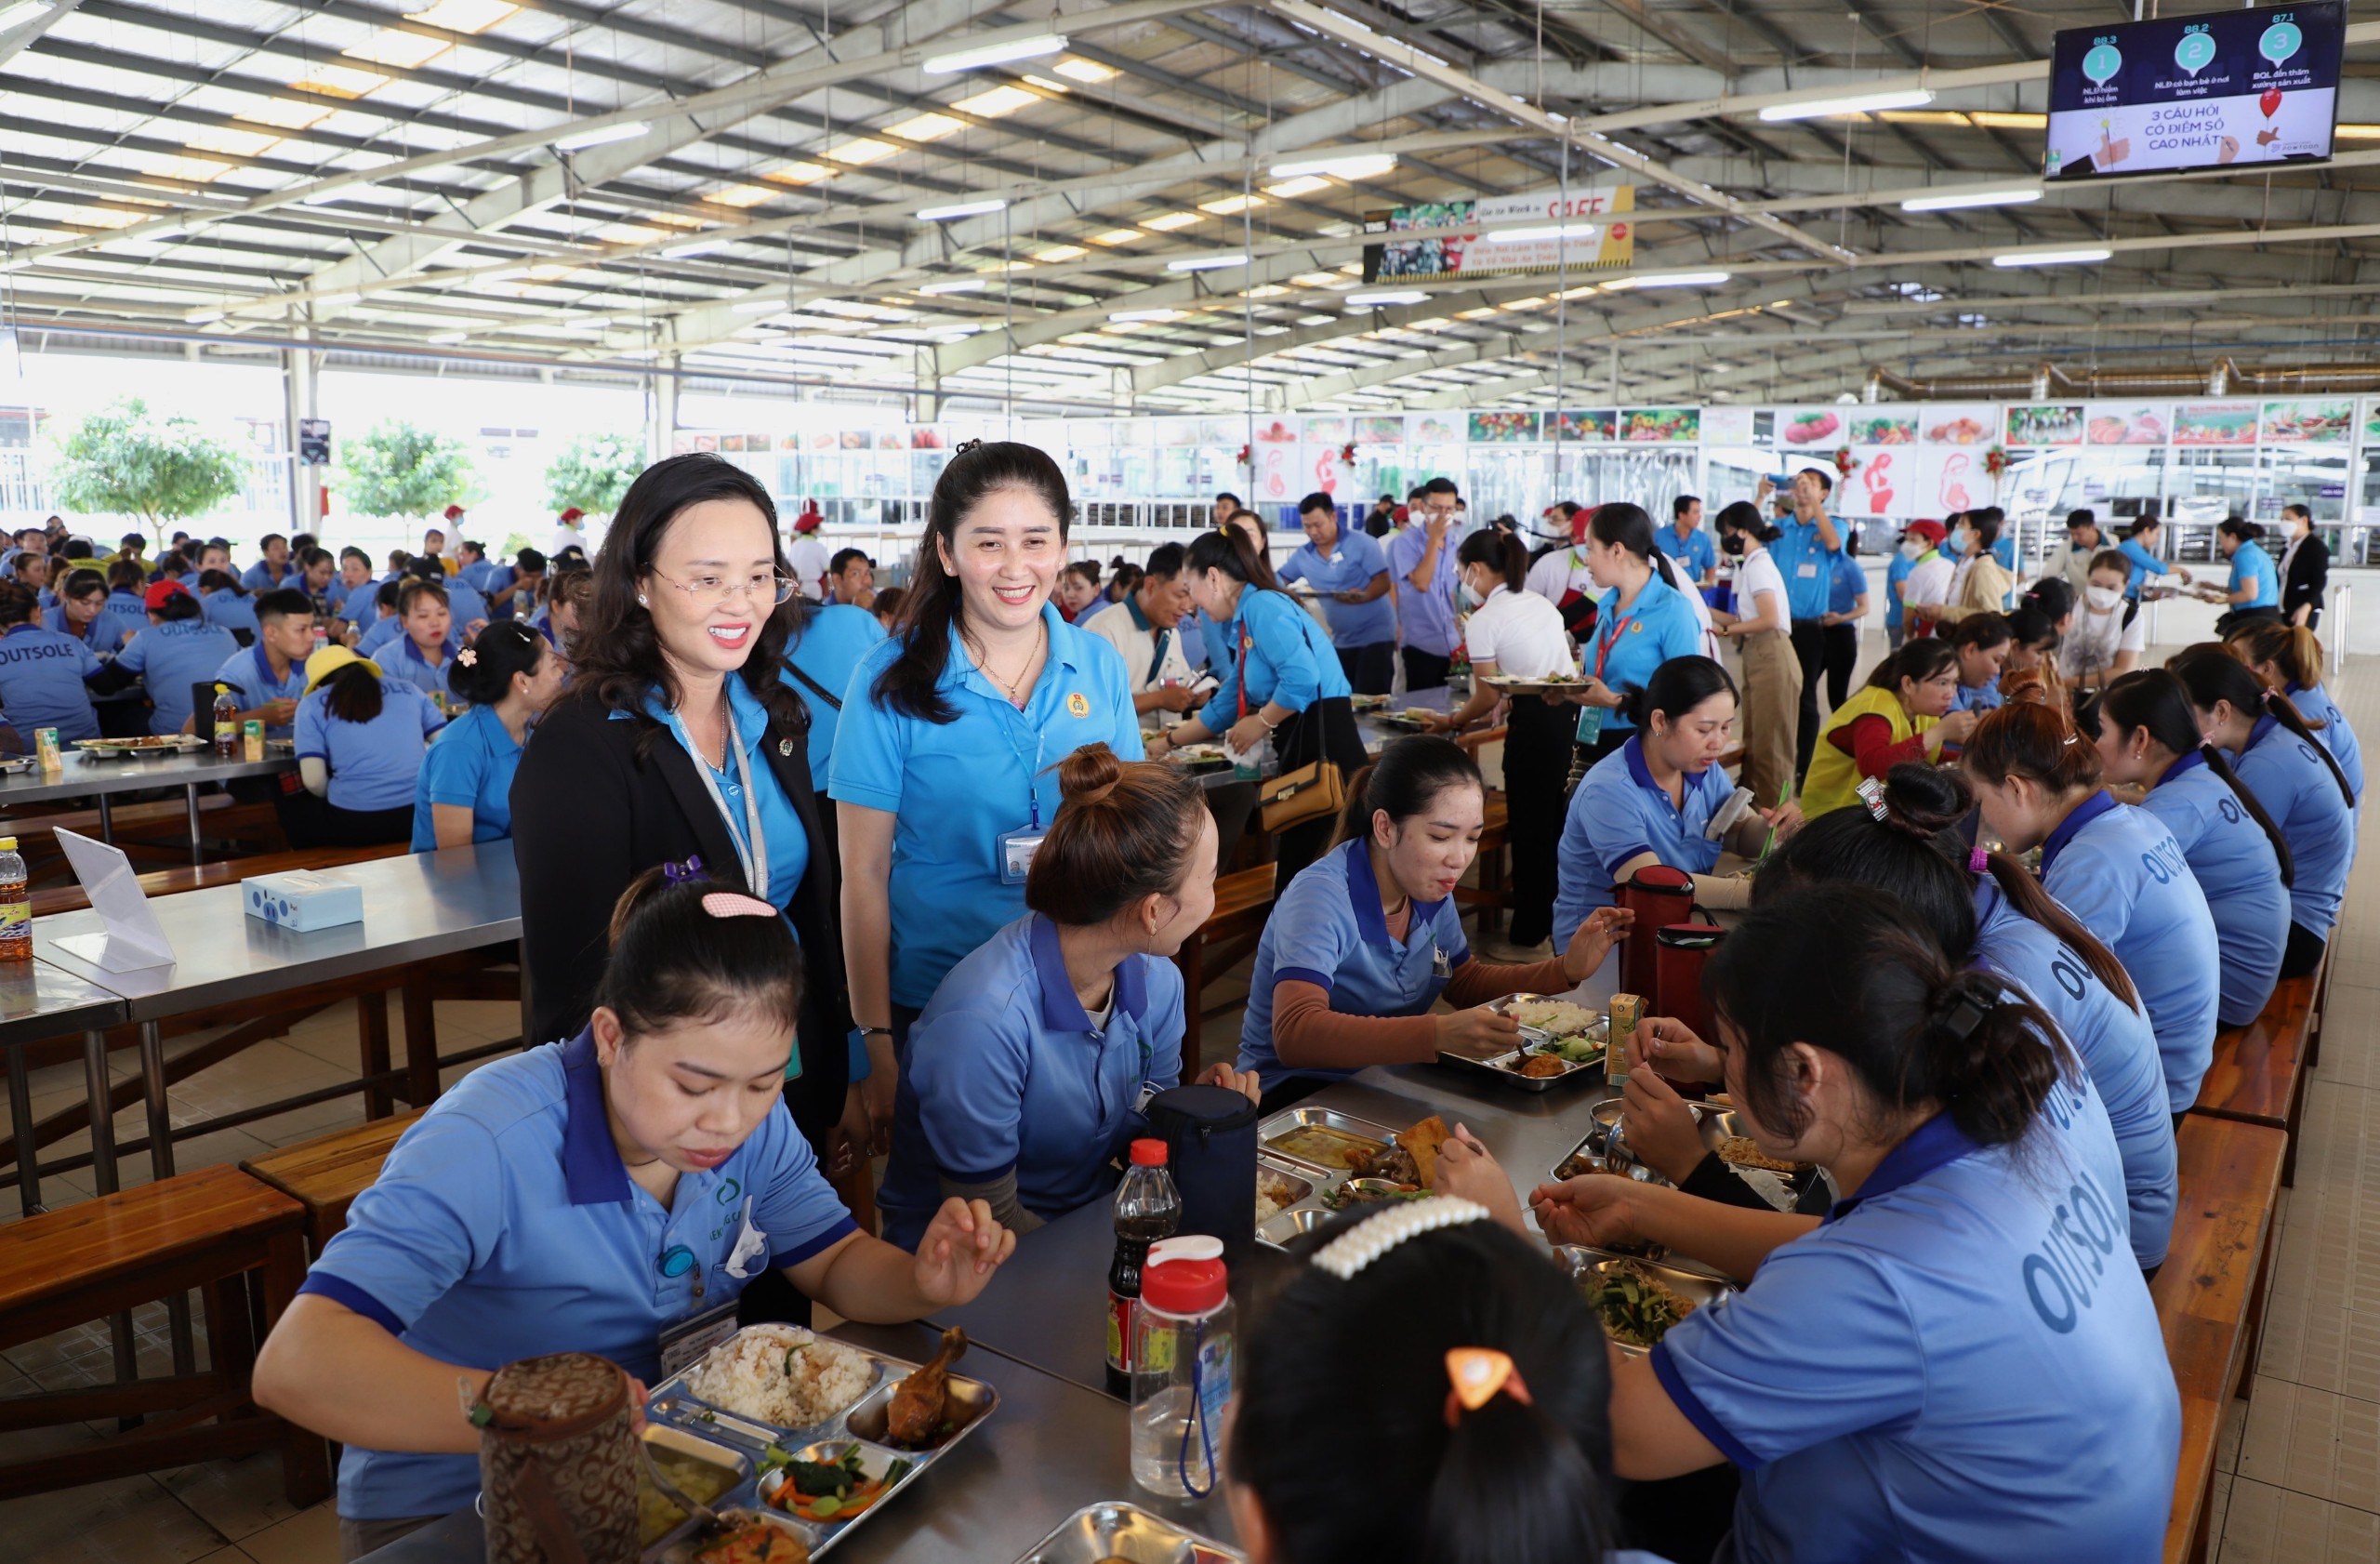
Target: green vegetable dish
1636, 1309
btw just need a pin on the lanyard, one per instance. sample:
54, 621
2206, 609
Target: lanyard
1164, 640
753, 858
1612, 630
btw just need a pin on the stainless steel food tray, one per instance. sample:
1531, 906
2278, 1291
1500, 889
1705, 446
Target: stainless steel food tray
1282, 1228
1585, 1264
1097, 1532
670, 1404
1506, 1068
1296, 1118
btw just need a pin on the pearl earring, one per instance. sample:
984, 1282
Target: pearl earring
639, 600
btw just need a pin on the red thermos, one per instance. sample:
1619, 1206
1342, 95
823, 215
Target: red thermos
1680, 950
1660, 896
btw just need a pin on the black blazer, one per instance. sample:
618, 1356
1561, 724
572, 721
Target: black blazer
588, 816
2309, 572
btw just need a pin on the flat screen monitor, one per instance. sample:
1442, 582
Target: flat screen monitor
2221, 88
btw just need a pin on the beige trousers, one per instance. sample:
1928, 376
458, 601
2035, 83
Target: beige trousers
1772, 702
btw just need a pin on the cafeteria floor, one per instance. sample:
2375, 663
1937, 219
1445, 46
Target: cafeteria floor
2299, 1464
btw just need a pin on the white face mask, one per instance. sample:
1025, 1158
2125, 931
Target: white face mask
1913, 548
2104, 599
1464, 598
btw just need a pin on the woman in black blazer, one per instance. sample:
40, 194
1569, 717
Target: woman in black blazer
675, 740
2305, 569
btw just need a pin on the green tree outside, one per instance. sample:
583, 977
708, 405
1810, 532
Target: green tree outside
398, 470
594, 471
162, 468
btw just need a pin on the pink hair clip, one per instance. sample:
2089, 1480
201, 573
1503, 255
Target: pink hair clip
468, 657
735, 904
1978, 860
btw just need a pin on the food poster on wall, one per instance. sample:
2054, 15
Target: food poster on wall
1726, 426
1535, 231
1277, 431
2324, 422
1660, 426
1882, 429
1435, 428
1328, 429
2371, 421
1594, 426
1810, 427
2215, 423
1503, 428
2123, 423
1379, 430
1319, 469
1958, 424
1275, 474
2045, 423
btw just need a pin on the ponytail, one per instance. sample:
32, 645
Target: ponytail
1743, 516
2153, 699
2023, 889
1499, 552
1514, 1484
2212, 676
2293, 649
674, 959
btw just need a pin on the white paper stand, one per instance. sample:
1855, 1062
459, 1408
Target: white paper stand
132, 938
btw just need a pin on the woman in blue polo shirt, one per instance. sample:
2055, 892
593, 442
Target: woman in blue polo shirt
1657, 804
179, 650
821, 646
1284, 681
2116, 868
1641, 622
1029, 1065
944, 774
226, 603
2254, 592
598, 1196
510, 676
42, 672
423, 652
2298, 781
359, 737
2148, 736
2139, 547
1368, 938
2289, 658
1879, 1382
84, 612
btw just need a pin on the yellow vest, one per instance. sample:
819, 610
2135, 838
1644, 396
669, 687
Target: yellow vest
1833, 778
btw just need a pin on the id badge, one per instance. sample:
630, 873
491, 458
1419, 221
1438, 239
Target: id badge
1146, 1096
1807, 573
1017, 848
1441, 966
687, 1341
1590, 724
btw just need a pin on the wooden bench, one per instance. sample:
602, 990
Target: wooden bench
2257, 1072
208, 1230
2208, 1296
1243, 901
325, 1175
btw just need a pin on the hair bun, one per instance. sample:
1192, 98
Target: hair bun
1089, 775
1926, 799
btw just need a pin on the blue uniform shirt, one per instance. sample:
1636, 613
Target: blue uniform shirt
2315, 706
343, 598
1007, 1074
231, 609
1976, 697
2144, 566
504, 1225
2121, 874
249, 672
1881, 1384
1808, 566
1895, 575
1695, 553
470, 765
957, 788
493, 579
464, 602
403, 659
259, 577
1628, 644
41, 683
381, 631
1619, 811
375, 765
1424, 618
172, 656
1280, 653
104, 633
780, 825
1357, 561
2295, 786
2115, 1044
2251, 567
475, 575
1847, 585
2234, 864
129, 607
831, 643
1328, 930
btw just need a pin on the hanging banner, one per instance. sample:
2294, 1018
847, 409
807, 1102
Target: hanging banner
1505, 235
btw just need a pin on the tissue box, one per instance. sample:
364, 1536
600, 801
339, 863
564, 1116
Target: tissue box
303, 900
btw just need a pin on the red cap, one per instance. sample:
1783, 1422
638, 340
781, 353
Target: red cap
161, 592
1148, 1153
1186, 1276
572, 515
1579, 522
1401, 515
1930, 531
454, 511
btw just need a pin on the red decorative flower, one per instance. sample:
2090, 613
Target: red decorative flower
1347, 452
1995, 460
1845, 462
1243, 455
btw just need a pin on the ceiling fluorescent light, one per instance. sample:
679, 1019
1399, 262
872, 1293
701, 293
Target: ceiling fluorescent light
202, 317
680, 252
957, 285
1953, 200
1671, 279
1205, 263
962, 209
21, 13
1000, 53
2051, 258
448, 338
1125, 317
760, 305
1855, 103
1367, 166
581, 139
1382, 298
1563, 231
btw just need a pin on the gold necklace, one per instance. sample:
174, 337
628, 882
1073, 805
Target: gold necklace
983, 660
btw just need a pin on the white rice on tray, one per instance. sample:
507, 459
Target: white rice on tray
782, 1374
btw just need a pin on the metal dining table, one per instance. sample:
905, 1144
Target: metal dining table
84, 776
39, 1001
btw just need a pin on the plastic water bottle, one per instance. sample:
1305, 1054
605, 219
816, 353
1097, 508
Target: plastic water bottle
16, 905
1148, 1208
227, 724
1183, 1359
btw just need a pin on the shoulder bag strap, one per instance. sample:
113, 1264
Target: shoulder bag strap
834, 703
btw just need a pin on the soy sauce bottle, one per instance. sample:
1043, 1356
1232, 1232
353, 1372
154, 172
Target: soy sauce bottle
1148, 1207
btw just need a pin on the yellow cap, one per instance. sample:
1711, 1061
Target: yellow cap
7, 844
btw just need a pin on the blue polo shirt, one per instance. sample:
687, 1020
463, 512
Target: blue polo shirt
1619, 811
105, 632
780, 825
2251, 567
1280, 654
231, 609
1848, 584
464, 602
1694, 552
41, 683
383, 630
1328, 930
475, 575
2315, 706
2121, 874
957, 788
1882, 1383
400, 659
339, 594
129, 607
375, 765
1007, 1074
1354, 564
1896, 575
1629, 643
2144, 566
1424, 618
2115, 1044
494, 579
470, 765
2234, 864
1807, 565
1978, 697
172, 656
2295, 786
828, 646
249, 672
259, 577
504, 1225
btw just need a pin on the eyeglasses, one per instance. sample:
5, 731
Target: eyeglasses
711, 591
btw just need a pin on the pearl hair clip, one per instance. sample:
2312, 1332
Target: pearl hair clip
1352, 1251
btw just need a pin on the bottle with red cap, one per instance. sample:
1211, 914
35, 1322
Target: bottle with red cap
1182, 1367
1148, 1208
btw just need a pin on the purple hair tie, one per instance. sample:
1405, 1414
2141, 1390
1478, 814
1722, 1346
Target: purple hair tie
1978, 860
678, 874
